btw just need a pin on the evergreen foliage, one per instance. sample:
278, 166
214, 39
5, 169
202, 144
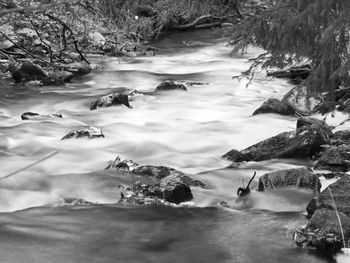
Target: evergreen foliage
298, 30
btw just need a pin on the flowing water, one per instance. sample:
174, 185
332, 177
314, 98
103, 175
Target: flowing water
185, 130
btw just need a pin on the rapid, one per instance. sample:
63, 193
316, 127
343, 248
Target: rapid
188, 131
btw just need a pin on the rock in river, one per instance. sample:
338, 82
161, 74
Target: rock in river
109, 100
275, 106
85, 132
323, 232
142, 194
300, 177
305, 141
170, 85
37, 116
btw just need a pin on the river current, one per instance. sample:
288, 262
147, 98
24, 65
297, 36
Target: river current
188, 131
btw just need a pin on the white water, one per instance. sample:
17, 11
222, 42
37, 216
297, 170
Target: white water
185, 130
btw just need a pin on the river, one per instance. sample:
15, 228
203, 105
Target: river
185, 130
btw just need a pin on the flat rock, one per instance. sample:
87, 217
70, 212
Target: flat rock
304, 142
275, 106
170, 85
110, 100
84, 132
300, 177
37, 116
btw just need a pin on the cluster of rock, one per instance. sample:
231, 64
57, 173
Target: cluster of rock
170, 185
312, 139
124, 97
308, 139
329, 227
29, 71
302, 101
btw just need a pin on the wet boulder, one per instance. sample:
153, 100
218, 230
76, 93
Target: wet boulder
170, 85
28, 72
143, 194
334, 158
323, 232
177, 193
275, 106
84, 132
158, 172
109, 100
304, 142
340, 191
300, 177
37, 116
303, 101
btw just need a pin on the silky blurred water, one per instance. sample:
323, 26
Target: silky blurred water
185, 130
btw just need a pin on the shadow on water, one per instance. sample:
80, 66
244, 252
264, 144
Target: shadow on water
154, 234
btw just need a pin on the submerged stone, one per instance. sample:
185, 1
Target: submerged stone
170, 85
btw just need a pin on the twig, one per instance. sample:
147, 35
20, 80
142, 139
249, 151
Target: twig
29, 166
337, 213
71, 32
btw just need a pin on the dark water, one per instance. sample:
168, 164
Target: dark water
187, 131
